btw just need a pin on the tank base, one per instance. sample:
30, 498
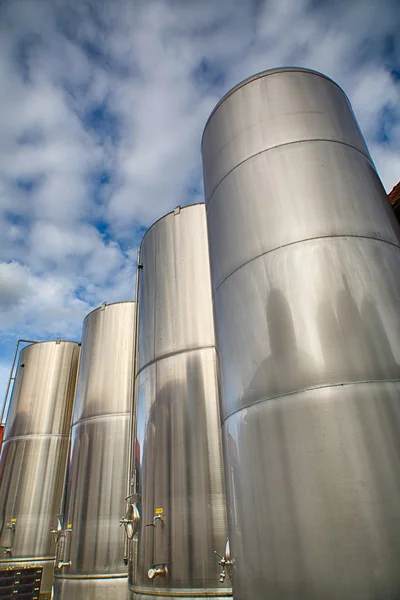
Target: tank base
114, 588
134, 596
181, 594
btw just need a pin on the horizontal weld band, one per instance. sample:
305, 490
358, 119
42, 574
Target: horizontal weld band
183, 592
265, 150
309, 389
23, 561
175, 353
98, 417
30, 436
305, 240
88, 577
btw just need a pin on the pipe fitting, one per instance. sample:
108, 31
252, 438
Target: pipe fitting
157, 571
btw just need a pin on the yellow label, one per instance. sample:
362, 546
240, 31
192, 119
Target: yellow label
159, 511
69, 526
13, 520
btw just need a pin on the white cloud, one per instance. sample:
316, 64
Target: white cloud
103, 107
41, 305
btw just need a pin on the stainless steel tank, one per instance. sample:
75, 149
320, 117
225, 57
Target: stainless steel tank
305, 263
178, 448
34, 456
90, 549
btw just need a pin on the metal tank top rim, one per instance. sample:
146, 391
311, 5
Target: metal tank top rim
260, 75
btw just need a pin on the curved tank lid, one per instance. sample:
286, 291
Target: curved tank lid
105, 304
265, 74
168, 214
59, 340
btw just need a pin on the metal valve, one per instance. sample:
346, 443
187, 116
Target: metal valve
62, 564
7, 551
157, 570
11, 525
130, 521
58, 528
157, 518
225, 563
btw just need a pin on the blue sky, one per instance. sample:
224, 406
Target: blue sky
103, 104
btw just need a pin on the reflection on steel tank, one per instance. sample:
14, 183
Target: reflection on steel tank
181, 516
33, 463
90, 546
305, 263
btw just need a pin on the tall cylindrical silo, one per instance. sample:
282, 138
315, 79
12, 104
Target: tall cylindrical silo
305, 263
180, 473
91, 546
33, 463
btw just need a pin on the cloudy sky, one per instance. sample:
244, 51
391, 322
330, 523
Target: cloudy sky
103, 103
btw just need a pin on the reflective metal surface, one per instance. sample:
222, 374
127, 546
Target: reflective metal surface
272, 109
92, 541
179, 475
11, 379
34, 454
304, 253
100, 589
